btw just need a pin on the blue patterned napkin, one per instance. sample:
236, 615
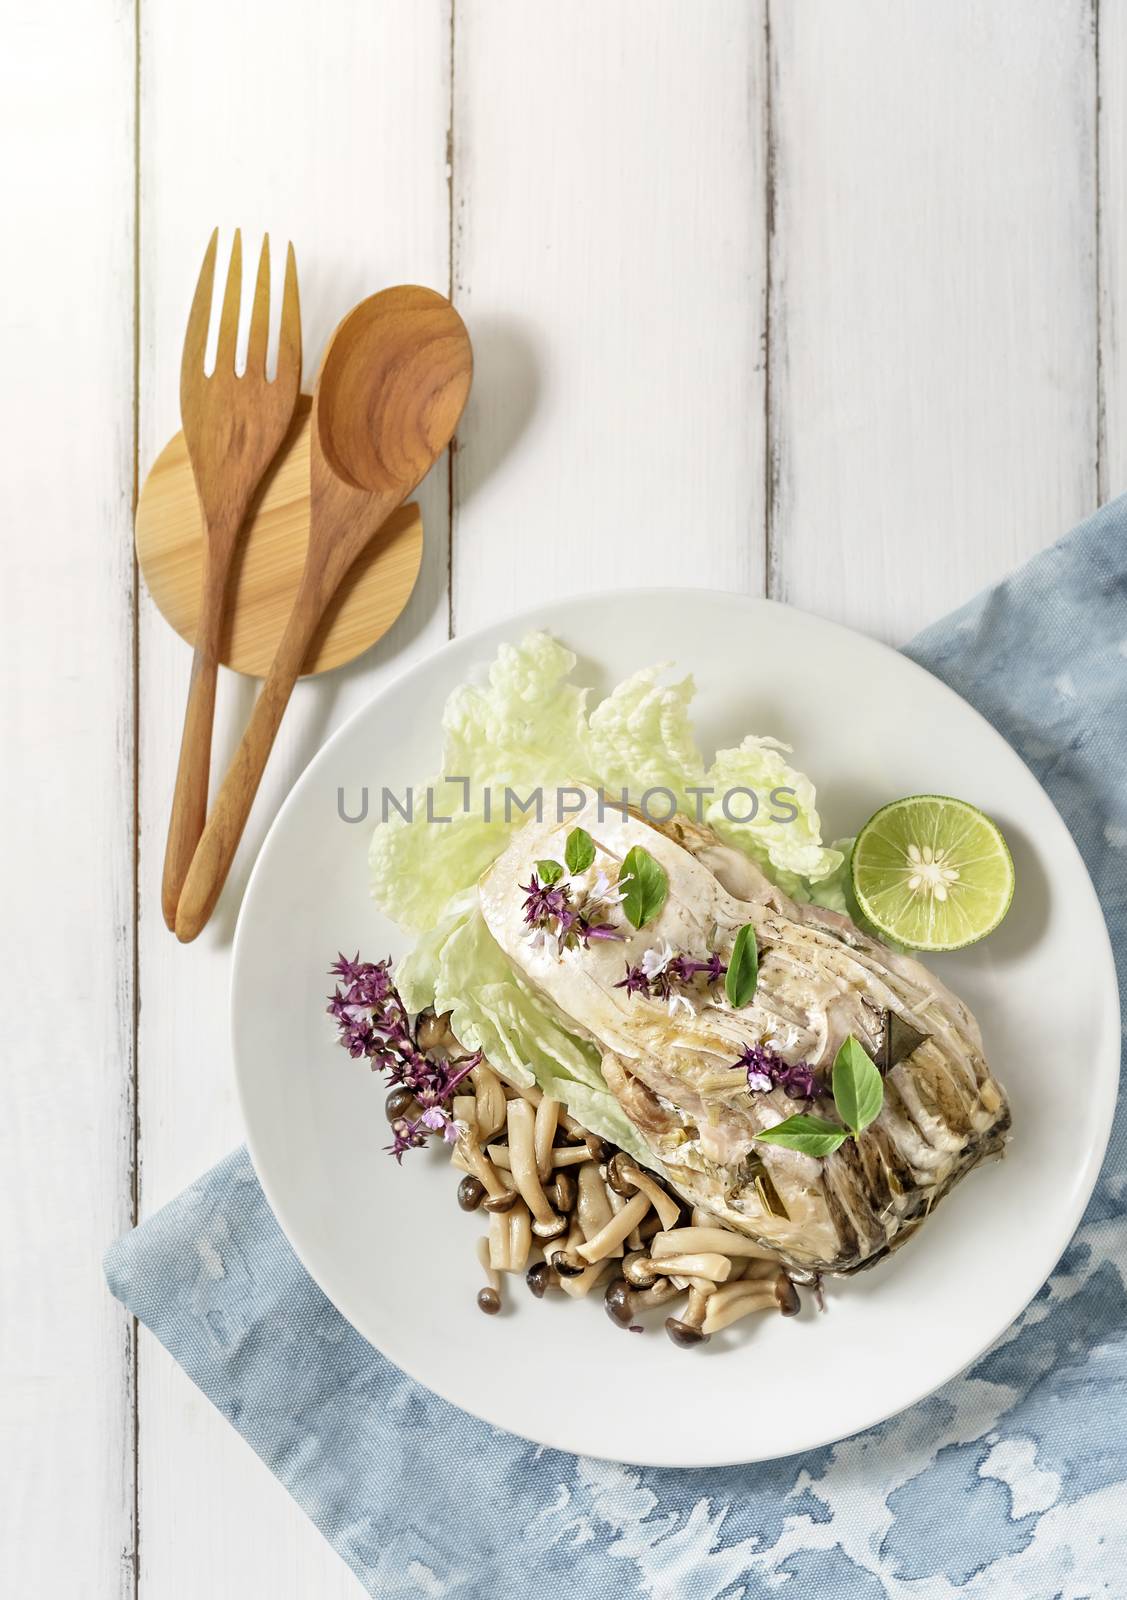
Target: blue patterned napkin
1010, 1483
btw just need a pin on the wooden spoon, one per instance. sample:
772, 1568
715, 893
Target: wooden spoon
392, 385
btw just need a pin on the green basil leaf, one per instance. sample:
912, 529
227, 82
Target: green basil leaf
858, 1086
579, 852
743, 967
646, 889
812, 1136
549, 872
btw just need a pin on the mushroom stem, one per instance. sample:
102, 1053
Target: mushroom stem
676, 1241
689, 1330
659, 1294
520, 1236
586, 1281
700, 1264
472, 1159
499, 1241
534, 1095
616, 1229
463, 1108
485, 1256
522, 1153
490, 1099
546, 1121
665, 1206
594, 1207
568, 1155
734, 1301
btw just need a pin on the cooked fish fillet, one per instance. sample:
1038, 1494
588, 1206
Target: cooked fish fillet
669, 1064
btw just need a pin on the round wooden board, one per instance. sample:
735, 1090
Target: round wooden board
269, 560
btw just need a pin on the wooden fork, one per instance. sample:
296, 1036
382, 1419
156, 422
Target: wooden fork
233, 428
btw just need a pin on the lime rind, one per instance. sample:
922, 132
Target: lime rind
965, 846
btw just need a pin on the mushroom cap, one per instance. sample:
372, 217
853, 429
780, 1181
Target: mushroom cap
683, 1333
786, 1295
567, 1264
549, 1229
502, 1202
471, 1192
617, 1167
538, 1278
489, 1301
636, 1269
619, 1302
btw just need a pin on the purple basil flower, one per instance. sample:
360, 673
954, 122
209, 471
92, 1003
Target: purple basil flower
635, 981
765, 1070
545, 903
405, 1136
798, 1081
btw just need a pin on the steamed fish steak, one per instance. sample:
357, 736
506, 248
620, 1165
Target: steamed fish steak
673, 1063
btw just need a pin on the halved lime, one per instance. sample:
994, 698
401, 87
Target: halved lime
932, 873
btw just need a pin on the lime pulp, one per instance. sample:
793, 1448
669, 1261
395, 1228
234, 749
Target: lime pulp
932, 872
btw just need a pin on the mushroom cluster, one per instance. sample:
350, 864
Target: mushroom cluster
571, 1211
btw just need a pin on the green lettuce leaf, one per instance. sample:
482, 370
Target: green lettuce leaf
782, 830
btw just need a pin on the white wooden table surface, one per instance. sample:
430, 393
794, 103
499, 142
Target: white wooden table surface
818, 299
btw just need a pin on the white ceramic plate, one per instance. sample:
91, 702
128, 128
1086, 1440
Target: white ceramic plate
389, 1245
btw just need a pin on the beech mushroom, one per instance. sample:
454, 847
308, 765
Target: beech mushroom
664, 1204
688, 1329
593, 1206
471, 1192
660, 1293
786, 1295
701, 1264
562, 1192
615, 1230
638, 1270
577, 1285
538, 1278
618, 1302
733, 1301
562, 1155
474, 1161
489, 1094
489, 1298
400, 1103
617, 1168
676, 1241
546, 1121
520, 1237
434, 1032
546, 1224
499, 1242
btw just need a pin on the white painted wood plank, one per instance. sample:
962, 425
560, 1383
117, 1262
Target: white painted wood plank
610, 261
66, 803
1112, 15
933, 372
327, 125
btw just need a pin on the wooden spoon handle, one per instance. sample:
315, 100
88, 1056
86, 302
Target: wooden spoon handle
220, 838
189, 798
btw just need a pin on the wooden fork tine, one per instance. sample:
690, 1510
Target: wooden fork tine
195, 340
229, 318
289, 340
260, 315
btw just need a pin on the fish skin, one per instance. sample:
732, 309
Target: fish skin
820, 978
